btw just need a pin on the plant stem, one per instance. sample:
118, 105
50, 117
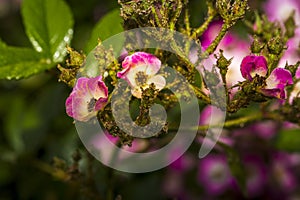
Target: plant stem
199, 31
211, 13
177, 14
187, 21
234, 122
212, 47
201, 95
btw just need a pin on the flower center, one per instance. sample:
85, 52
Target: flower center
217, 173
91, 105
141, 78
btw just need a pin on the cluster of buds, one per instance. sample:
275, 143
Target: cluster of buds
231, 11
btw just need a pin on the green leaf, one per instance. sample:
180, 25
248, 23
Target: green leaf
288, 140
16, 63
48, 25
107, 26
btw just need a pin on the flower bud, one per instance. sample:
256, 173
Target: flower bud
231, 12
290, 26
275, 45
256, 45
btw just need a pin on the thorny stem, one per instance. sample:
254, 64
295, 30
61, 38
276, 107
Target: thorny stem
187, 21
212, 47
199, 31
156, 16
187, 29
177, 14
201, 95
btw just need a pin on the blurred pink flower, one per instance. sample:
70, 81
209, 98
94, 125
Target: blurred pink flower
208, 112
173, 184
265, 129
280, 11
101, 143
140, 70
211, 116
183, 163
214, 174
256, 175
89, 95
291, 55
283, 178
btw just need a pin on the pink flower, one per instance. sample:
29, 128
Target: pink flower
214, 174
173, 184
256, 175
265, 129
139, 71
183, 163
102, 142
283, 178
254, 65
210, 116
89, 95
275, 83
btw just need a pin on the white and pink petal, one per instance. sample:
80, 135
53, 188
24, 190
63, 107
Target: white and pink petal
88, 96
140, 70
158, 80
276, 83
279, 78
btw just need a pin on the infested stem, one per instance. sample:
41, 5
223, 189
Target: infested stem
212, 47
201, 95
211, 14
199, 31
